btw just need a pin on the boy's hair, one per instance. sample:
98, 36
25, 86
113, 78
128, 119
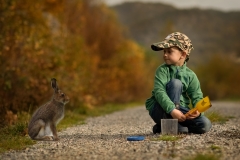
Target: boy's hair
187, 57
177, 39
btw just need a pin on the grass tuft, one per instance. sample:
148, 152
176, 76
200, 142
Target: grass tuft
205, 157
167, 138
218, 118
214, 147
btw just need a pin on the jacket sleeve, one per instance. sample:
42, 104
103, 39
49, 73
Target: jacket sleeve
160, 93
194, 90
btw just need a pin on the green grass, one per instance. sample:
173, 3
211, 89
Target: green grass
167, 138
214, 147
204, 157
15, 137
217, 118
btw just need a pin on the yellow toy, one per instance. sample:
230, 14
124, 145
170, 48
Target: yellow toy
201, 106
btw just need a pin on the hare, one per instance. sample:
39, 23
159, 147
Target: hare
42, 125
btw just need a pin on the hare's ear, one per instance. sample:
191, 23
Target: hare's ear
54, 84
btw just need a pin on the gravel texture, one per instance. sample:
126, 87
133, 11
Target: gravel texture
105, 138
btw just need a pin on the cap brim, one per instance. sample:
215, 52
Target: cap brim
158, 46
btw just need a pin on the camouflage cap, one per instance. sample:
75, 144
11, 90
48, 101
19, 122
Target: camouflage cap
175, 39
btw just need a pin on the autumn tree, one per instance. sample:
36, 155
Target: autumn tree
79, 42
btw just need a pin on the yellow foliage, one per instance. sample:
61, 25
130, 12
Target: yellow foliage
80, 43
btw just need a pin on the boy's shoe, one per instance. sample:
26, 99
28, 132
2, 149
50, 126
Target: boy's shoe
156, 129
182, 130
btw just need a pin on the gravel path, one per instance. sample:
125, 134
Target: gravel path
105, 138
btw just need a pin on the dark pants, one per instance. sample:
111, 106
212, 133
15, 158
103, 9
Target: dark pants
197, 125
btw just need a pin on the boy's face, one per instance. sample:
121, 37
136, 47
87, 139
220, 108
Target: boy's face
174, 56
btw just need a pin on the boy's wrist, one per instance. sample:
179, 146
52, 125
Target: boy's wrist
171, 111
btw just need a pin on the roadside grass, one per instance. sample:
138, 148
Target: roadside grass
15, 137
231, 99
216, 117
204, 157
167, 138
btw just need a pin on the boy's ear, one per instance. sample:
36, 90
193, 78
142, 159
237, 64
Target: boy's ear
184, 54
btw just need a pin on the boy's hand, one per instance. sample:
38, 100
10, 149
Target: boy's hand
176, 114
193, 115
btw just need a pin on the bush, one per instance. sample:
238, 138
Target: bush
80, 43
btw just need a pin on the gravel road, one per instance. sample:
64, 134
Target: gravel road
105, 138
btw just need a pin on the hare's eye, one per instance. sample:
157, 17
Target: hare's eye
62, 94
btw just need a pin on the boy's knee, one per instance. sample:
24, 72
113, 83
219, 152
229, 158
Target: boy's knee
175, 83
205, 127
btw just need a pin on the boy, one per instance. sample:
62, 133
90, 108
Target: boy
175, 86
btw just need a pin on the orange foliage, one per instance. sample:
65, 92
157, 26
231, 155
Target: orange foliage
78, 42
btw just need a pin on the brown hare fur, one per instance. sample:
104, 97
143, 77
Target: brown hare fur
42, 125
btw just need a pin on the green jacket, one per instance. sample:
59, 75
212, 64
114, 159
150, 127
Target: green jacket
191, 87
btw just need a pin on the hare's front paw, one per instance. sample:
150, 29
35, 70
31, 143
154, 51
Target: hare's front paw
48, 138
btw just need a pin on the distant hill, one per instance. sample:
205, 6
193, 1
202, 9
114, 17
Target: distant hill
211, 31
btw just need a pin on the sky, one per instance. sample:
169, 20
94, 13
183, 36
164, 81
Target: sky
223, 5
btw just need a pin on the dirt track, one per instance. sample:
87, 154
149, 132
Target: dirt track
105, 138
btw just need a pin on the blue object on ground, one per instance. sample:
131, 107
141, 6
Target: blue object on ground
135, 138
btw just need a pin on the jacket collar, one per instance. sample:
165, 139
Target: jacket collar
179, 68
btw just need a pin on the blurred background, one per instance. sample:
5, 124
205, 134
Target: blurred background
99, 51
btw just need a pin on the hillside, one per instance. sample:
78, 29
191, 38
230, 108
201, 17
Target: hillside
211, 31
